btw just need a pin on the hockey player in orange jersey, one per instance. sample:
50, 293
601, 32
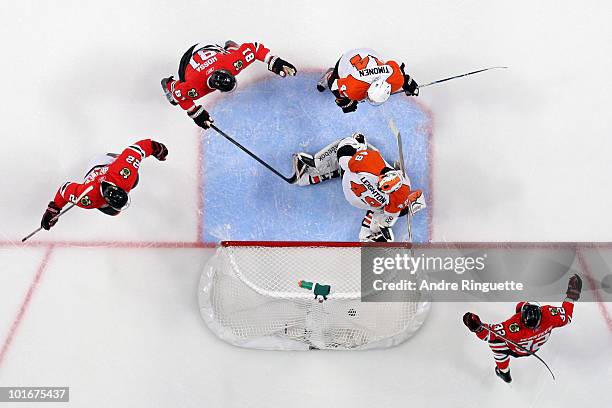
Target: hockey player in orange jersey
368, 182
362, 74
529, 327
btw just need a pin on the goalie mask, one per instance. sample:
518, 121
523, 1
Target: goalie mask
222, 80
390, 181
378, 92
531, 315
115, 197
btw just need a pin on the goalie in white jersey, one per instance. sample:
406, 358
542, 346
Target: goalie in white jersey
368, 181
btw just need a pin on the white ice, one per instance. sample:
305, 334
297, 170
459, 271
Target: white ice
519, 155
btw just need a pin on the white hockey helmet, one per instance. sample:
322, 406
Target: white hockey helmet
378, 92
390, 181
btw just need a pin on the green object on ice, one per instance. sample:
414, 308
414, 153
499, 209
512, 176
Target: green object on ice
319, 290
305, 284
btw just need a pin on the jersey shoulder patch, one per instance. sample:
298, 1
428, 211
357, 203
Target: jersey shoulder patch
368, 161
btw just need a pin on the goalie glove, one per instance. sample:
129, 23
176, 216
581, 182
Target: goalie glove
574, 287
281, 67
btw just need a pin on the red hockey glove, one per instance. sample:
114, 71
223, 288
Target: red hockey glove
574, 287
472, 321
281, 67
201, 117
49, 218
159, 150
346, 104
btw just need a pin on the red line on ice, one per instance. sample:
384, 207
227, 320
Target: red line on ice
109, 244
24, 305
591, 281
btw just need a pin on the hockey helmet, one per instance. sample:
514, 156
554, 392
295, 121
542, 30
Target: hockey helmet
531, 314
378, 92
116, 197
222, 80
390, 181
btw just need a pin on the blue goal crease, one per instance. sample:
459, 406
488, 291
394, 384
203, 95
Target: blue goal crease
275, 118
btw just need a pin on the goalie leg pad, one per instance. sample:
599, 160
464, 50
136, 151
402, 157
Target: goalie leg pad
309, 169
306, 174
372, 231
326, 160
365, 232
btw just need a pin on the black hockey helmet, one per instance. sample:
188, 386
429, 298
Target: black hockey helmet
222, 80
115, 197
531, 315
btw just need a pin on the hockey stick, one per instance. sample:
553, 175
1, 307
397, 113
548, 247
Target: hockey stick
400, 150
87, 190
289, 180
453, 77
520, 348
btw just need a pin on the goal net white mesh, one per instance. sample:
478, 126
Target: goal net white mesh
249, 296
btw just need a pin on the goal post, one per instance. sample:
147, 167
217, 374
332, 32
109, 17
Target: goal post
249, 296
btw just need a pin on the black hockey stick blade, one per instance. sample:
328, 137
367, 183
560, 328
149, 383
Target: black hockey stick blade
289, 180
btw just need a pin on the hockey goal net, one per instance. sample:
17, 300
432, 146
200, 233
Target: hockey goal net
249, 296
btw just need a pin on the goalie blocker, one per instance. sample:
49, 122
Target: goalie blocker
368, 182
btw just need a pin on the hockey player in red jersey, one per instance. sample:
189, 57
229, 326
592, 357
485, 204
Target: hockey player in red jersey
362, 74
206, 68
529, 327
109, 180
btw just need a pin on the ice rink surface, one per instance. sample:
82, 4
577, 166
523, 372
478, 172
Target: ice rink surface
108, 306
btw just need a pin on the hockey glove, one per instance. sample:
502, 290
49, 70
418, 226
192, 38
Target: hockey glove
49, 218
574, 287
410, 87
346, 104
472, 321
201, 117
160, 151
281, 67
